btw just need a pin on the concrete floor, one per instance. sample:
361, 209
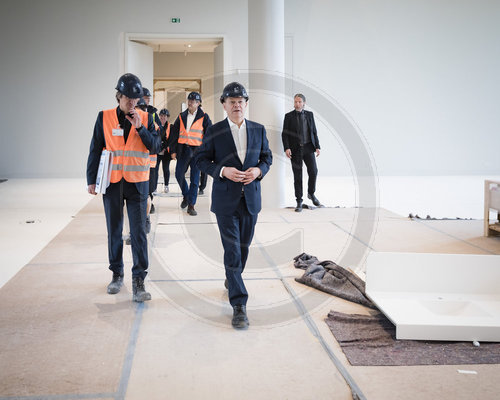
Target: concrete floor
63, 337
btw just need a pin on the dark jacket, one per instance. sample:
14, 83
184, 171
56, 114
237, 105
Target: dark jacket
174, 130
148, 135
291, 135
219, 150
165, 142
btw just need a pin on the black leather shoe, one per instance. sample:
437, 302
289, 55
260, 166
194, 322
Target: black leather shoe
191, 210
184, 203
115, 285
152, 209
299, 206
240, 320
226, 284
314, 199
201, 192
139, 291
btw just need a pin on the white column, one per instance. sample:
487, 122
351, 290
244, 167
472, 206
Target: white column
266, 61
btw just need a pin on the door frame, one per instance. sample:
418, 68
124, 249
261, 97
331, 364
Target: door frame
129, 36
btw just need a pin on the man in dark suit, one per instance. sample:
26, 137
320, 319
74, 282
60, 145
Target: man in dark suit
235, 152
301, 144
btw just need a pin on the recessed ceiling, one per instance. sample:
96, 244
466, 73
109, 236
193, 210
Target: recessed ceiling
181, 45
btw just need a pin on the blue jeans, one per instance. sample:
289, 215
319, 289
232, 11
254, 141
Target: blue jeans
185, 160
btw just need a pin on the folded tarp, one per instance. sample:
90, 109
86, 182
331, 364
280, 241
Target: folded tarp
331, 278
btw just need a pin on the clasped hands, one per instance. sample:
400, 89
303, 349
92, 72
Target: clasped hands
244, 177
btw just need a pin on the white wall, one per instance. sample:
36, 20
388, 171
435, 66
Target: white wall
420, 78
67, 55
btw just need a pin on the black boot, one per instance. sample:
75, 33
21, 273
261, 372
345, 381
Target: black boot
191, 210
184, 203
139, 291
314, 200
240, 320
152, 209
299, 206
115, 285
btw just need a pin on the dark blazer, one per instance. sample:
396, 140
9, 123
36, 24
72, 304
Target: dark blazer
219, 150
290, 135
165, 143
174, 130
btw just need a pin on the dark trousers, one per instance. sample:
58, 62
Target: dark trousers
113, 201
185, 160
153, 179
307, 155
236, 232
165, 164
203, 181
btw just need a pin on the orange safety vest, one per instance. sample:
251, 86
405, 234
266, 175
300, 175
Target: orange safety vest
167, 134
153, 158
194, 136
130, 159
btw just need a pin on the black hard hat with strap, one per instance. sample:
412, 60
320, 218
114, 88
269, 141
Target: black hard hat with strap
233, 89
194, 96
130, 85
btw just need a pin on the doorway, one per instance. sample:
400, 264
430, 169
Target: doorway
172, 66
172, 93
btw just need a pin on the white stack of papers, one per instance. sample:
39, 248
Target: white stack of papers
104, 172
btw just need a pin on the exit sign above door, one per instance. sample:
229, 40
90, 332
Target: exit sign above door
176, 20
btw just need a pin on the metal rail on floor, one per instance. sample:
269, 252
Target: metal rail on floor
357, 394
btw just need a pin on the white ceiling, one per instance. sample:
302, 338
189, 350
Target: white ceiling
181, 45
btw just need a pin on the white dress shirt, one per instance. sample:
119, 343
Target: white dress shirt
240, 140
190, 119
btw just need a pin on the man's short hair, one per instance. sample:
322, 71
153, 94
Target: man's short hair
301, 96
118, 96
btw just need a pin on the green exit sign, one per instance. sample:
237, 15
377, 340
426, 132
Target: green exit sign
176, 20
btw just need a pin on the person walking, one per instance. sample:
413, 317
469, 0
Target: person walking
130, 135
301, 144
165, 155
235, 153
189, 128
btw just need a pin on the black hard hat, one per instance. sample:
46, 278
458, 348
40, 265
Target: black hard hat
146, 92
151, 109
233, 89
164, 111
130, 85
141, 104
194, 96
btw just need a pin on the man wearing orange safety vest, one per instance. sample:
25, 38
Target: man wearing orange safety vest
165, 156
189, 128
130, 135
